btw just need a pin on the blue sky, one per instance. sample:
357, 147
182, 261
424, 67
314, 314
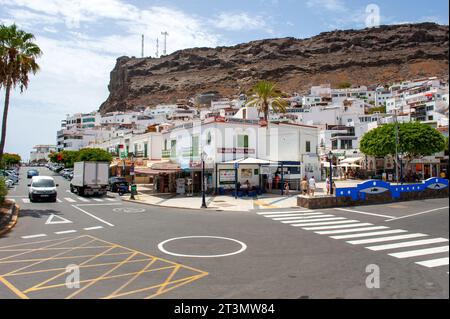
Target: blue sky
82, 39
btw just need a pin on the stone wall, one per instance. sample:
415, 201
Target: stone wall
321, 202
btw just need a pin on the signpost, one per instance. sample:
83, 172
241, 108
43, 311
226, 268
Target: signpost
236, 167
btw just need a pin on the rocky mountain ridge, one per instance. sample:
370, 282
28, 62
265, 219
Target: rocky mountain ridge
361, 57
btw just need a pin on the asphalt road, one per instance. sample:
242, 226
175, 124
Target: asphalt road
126, 250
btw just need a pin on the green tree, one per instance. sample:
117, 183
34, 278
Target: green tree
265, 94
10, 159
94, 154
415, 140
68, 158
3, 190
18, 54
344, 85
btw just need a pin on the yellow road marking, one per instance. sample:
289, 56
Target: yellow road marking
263, 204
155, 286
98, 278
163, 287
63, 273
181, 282
13, 288
37, 249
134, 277
84, 266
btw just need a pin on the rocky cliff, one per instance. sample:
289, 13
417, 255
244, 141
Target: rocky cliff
361, 57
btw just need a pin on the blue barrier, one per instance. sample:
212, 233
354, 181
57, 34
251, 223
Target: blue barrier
377, 187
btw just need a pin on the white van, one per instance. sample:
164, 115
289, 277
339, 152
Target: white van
42, 187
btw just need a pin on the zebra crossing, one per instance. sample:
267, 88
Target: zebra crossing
422, 249
77, 199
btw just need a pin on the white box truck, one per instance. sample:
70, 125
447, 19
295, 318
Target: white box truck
90, 178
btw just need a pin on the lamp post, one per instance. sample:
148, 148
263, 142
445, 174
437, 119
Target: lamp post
396, 146
330, 157
203, 181
133, 186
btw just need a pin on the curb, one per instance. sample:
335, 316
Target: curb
177, 207
12, 221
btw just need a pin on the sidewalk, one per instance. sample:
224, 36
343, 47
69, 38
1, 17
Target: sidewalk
227, 203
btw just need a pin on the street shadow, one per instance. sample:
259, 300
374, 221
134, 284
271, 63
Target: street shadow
34, 213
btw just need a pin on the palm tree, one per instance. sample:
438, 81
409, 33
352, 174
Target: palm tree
18, 54
265, 94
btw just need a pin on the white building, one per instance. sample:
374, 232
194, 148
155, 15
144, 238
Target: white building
41, 153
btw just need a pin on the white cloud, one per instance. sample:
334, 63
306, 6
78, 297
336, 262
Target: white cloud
331, 5
81, 40
239, 21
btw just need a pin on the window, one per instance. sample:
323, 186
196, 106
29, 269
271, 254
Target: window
242, 141
195, 146
308, 147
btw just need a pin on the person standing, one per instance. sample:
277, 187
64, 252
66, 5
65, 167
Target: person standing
312, 186
304, 186
327, 185
286, 188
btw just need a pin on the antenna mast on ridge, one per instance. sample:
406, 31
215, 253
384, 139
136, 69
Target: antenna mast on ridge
165, 34
157, 47
142, 47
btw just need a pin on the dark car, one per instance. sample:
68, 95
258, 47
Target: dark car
32, 172
116, 182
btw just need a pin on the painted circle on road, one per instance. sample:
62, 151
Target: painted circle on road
129, 210
242, 249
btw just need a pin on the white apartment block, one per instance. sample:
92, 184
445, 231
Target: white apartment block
41, 153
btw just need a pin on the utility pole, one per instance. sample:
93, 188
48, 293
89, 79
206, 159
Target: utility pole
396, 145
165, 34
142, 47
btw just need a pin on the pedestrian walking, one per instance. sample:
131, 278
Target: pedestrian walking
286, 188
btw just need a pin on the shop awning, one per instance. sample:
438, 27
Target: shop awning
150, 171
250, 161
351, 160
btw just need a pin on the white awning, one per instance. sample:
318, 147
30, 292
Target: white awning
250, 161
351, 160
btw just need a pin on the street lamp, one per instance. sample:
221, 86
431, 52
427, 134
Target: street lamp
330, 157
132, 173
203, 181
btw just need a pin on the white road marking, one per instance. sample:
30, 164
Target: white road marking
70, 200
420, 252
58, 200
83, 199
434, 262
383, 239
286, 212
326, 223
98, 199
62, 220
287, 215
92, 228
111, 199
363, 213
301, 217
376, 233
26, 200
34, 236
408, 244
116, 204
312, 220
338, 227
65, 232
421, 213
93, 216
343, 231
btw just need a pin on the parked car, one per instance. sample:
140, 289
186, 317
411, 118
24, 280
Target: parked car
32, 172
65, 172
116, 182
42, 187
8, 175
9, 183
